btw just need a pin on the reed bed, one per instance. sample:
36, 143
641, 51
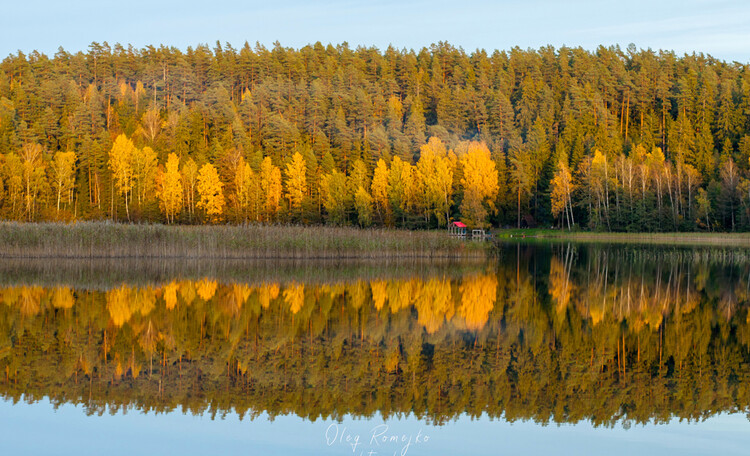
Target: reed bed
112, 240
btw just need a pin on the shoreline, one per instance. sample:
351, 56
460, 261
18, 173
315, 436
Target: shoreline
121, 241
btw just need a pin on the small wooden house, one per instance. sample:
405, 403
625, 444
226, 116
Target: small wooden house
457, 229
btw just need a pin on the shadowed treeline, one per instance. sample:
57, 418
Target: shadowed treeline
556, 333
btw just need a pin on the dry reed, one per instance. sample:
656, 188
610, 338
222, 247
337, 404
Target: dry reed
112, 240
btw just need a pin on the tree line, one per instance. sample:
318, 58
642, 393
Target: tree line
620, 140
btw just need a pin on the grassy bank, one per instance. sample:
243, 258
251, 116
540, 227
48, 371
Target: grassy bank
684, 239
108, 240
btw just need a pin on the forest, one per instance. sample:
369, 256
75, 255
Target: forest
562, 334
607, 140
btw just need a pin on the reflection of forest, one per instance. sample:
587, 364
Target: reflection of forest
548, 333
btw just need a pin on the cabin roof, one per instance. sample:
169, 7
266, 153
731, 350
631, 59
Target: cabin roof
459, 224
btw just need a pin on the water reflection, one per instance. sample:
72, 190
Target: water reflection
551, 333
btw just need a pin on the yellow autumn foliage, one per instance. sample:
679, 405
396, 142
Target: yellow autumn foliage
478, 296
294, 296
169, 294
62, 298
206, 289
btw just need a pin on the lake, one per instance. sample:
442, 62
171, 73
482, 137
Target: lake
547, 348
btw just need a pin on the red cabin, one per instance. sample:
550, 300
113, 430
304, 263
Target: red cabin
457, 229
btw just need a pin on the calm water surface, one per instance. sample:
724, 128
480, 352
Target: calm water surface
546, 349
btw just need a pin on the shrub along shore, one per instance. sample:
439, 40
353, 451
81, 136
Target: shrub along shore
112, 240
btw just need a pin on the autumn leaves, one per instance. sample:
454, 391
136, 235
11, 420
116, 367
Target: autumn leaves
241, 192
26, 178
133, 170
210, 191
169, 188
443, 184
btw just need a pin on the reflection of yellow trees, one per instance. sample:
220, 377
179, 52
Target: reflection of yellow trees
145, 300
206, 289
600, 294
478, 295
333, 290
595, 295
62, 298
434, 304
294, 296
400, 294
643, 299
358, 294
241, 293
170, 294
267, 293
379, 292
187, 291
9, 296
559, 284
124, 302
641, 307
643, 319
27, 299
30, 300
238, 295
118, 305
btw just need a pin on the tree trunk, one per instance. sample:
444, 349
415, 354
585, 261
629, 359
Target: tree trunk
127, 209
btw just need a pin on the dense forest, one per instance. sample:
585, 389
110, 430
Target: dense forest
555, 335
621, 140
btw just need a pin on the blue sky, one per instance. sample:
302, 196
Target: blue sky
717, 27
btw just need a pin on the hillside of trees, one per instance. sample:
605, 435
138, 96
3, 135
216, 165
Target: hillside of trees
554, 335
620, 140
